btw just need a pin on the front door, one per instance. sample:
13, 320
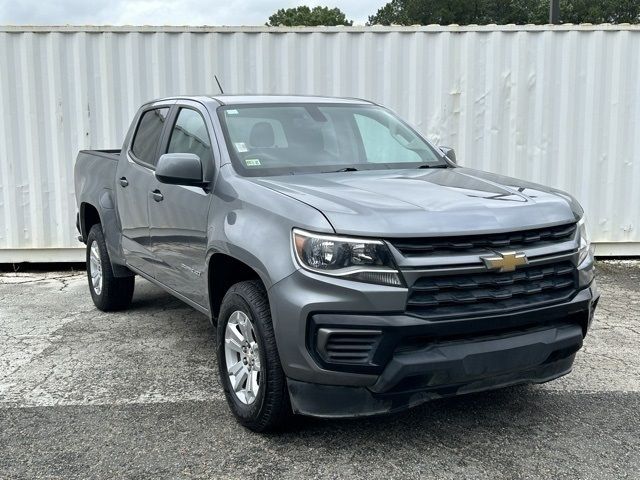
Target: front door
134, 177
179, 214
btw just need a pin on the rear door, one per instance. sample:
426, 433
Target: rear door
133, 181
179, 214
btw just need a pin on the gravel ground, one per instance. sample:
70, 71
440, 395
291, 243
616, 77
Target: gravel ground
84, 394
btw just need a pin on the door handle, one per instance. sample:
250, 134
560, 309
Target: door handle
157, 195
124, 182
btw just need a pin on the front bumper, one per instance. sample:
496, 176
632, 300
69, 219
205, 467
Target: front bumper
330, 401
413, 359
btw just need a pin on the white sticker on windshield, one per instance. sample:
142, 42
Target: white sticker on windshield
241, 147
232, 112
252, 162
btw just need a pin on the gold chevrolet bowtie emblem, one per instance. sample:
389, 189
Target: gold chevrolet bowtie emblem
505, 261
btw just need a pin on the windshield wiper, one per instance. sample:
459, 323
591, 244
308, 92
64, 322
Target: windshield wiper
345, 169
439, 165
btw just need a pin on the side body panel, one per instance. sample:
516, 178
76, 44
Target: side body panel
133, 185
234, 217
178, 219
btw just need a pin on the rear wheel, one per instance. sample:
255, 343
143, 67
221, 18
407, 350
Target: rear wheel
248, 360
108, 292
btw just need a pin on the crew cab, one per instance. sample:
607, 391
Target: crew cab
349, 266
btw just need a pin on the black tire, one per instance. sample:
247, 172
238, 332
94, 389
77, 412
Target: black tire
271, 408
116, 293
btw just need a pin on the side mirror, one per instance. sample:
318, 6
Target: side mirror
449, 153
180, 169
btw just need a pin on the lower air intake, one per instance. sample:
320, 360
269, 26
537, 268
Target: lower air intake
352, 347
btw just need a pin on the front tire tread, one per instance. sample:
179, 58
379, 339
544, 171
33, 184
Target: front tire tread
275, 410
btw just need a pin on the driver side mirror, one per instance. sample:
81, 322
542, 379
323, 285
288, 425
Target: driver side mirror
180, 169
449, 153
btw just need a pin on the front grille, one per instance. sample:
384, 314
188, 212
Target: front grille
528, 238
347, 346
485, 293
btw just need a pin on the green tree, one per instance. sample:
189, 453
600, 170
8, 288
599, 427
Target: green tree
601, 11
307, 17
465, 12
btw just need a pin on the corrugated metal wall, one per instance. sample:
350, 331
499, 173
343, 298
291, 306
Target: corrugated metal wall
559, 106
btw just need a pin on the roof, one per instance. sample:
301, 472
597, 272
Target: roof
244, 99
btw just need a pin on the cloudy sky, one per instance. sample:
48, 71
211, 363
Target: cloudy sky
163, 12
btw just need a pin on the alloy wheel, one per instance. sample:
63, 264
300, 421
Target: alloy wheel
242, 355
95, 268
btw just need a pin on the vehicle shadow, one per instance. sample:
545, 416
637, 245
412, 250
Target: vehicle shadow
506, 433
151, 298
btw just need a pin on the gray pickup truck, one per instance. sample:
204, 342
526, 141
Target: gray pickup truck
350, 267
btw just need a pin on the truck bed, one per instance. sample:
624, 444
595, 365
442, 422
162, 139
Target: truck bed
94, 175
95, 180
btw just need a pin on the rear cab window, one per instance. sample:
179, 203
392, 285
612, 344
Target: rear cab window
147, 136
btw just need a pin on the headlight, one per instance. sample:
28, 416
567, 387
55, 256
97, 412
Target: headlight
353, 258
585, 240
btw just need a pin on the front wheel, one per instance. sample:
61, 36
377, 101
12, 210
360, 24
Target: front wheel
108, 292
248, 360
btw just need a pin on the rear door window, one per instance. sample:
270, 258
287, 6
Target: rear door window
145, 142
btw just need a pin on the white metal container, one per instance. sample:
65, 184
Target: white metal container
555, 105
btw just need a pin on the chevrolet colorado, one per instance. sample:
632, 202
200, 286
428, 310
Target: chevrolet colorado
350, 267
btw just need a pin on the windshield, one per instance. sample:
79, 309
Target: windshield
278, 139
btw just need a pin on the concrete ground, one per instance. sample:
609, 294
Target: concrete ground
84, 394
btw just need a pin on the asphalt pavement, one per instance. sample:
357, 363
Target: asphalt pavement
135, 394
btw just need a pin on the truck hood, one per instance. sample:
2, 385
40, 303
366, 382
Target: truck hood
422, 202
